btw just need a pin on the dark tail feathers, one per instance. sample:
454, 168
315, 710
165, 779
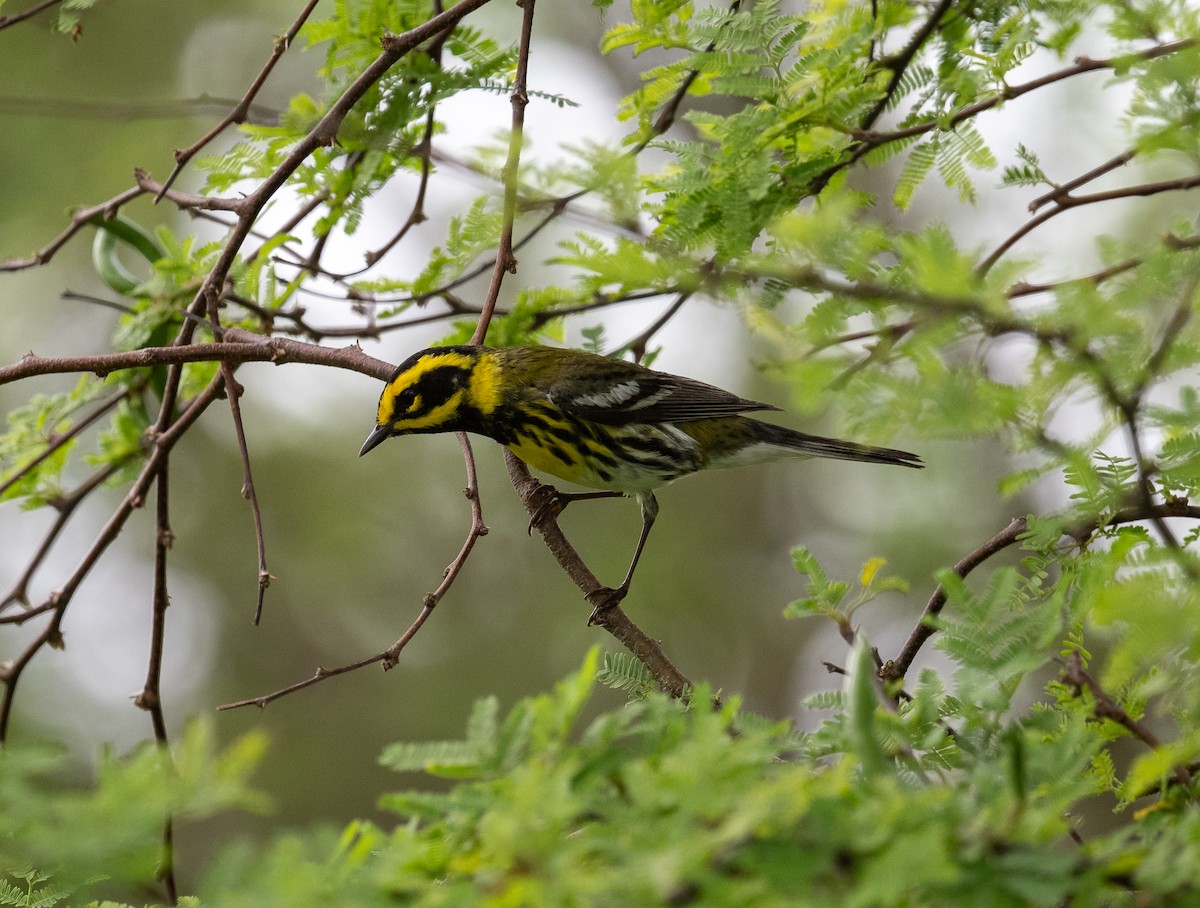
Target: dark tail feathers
834, 448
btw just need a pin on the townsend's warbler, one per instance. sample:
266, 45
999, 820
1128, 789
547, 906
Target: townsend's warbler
603, 423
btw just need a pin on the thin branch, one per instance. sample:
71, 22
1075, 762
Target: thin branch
667, 113
478, 528
898, 667
51, 634
1066, 202
866, 141
150, 697
319, 675
506, 262
234, 392
613, 619
1070, 186
242, 108
389, 657
1106, 707
899, 63
186, 201
416, 214
637, 345
14, 18
239, 346
79, 220
1079, 532
173, 109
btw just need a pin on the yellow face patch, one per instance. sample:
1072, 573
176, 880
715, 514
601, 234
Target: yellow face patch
484, 390
392, 409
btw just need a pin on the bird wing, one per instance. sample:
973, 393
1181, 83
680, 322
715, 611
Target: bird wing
648, 397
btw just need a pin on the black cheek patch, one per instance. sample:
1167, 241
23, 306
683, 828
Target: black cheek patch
438, 386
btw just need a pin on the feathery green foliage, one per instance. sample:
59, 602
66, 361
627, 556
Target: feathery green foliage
795, 166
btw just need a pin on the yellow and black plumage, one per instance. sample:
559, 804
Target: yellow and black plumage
607, 424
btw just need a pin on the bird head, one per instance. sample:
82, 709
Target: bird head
431, 391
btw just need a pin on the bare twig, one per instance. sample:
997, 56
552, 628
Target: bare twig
510, 175
150, 698
319, 675
239, 346
898, 667
174, 109
1106, 707
613, 619
389, 656
14, 18
1066, 201
637, 345
78, 221
234, 392
51, 634
867, 140
1058, 192
242, 108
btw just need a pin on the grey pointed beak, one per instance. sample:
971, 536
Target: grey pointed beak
378, 434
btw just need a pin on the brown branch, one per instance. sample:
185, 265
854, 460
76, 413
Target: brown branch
416, 214
867, 141
506, 262
1079, 532
242, 108
1059, 192
150, 697
1066, 202
186, 201
898, 667
174, 109
14, 18
51, 634
1105, 707
667, 113
78, 221
1024, 288
899, 63
234, 392
613, 619
319, 675
389, 657
637, 345
239, 346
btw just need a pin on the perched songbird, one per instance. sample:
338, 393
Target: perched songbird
603, 423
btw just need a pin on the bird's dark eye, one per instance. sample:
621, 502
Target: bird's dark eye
405, 400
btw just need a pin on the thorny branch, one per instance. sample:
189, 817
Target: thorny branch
243, 107
1079, 532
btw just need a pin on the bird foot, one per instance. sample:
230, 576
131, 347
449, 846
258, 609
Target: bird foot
603, 599
550, 503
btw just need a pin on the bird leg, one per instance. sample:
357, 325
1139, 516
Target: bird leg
606, 597
552, 502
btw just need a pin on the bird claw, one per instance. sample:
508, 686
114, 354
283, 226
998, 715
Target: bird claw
550, 503
603, 599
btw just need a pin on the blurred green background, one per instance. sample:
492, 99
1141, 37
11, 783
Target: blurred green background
355, 544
